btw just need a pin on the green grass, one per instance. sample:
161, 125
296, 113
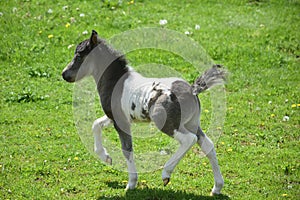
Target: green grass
41, 155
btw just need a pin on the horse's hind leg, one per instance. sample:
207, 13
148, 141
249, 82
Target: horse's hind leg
186, 140
97, 131
208, 149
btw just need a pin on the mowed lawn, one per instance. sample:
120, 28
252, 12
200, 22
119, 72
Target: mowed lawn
41, 154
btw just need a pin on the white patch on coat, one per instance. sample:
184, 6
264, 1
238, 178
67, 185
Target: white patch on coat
139, 90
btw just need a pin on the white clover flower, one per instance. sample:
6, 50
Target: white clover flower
163, 152
72, 20
65, 8
163, 22
14, 9
38, 17
81, 15
77, 9
50, 11
85, 32
1, 14
285, 118
197, 27
187, 33
70, 46
270, 102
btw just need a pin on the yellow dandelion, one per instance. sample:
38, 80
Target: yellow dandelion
298, 105
50, 36
40, 32
124, 181
206, 111
272, 115
230, 108
229, 150
222, 143
294, 105
204, 164
67, 25
143, 181
76, 158
131, 2
0, 166
235, 130
284, 195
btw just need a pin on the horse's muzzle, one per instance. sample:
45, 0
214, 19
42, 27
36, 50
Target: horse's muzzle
67, 76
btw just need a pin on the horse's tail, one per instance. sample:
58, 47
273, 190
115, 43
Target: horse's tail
211, 77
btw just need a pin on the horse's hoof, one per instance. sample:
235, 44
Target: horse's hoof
215, 194
108, 160
166, 181
130, 187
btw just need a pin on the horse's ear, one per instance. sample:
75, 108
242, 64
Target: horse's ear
94, 38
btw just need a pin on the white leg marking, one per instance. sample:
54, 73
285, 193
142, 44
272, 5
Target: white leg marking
97, 131
186, 140
207, 147
133, 176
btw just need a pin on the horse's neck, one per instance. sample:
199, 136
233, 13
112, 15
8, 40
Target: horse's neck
112, 73
107, 80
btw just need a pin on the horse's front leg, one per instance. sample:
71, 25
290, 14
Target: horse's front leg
127, 149
97, 131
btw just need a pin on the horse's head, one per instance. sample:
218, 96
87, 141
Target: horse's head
78, 67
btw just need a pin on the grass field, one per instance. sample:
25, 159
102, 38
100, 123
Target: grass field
41, 154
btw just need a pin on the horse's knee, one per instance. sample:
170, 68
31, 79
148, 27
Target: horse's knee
206, 145
185, 138
100, 123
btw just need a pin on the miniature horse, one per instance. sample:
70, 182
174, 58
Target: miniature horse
171, 103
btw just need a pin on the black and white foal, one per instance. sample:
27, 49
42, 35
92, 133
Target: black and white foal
171, 103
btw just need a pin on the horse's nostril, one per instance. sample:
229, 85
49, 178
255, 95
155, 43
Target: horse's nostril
64, 75
67, 77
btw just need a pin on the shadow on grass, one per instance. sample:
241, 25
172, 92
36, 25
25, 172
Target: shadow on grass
115, 185
156, 194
